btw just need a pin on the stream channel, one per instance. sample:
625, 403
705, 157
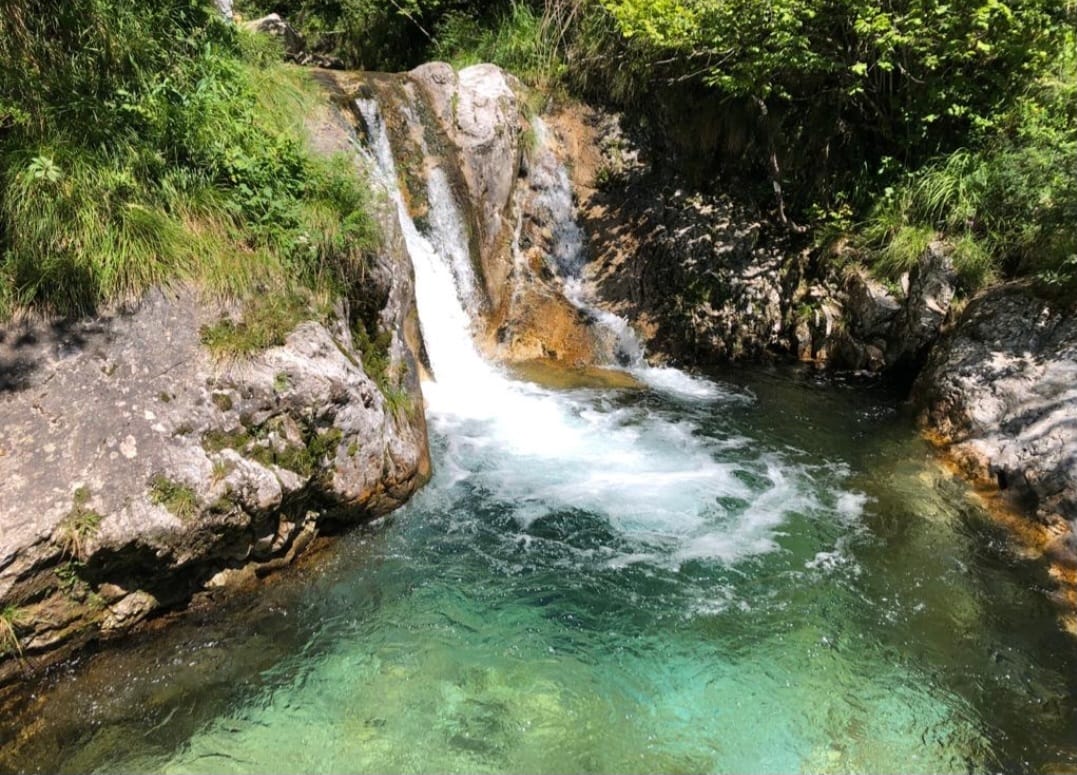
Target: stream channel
751, 572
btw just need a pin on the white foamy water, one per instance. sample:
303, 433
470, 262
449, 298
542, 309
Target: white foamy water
661, 483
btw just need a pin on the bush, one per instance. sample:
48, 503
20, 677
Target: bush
1009, 206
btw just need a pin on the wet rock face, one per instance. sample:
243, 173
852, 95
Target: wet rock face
467, 128
479, 113
1002, 388
716, 280
703, 277
706, 277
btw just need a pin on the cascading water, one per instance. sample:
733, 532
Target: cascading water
568, 259
544, 451
612, 581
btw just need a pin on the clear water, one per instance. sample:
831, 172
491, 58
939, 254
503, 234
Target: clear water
746, 574
812, 596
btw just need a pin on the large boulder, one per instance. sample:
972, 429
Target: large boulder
931, 287
1002, 389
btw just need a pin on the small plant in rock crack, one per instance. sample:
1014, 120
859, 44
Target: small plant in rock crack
79, 526
221, 469
68, 581
11, 618
178, 498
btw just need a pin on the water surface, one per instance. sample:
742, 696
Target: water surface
773, 577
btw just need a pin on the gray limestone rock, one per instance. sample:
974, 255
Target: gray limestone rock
931, 288
478, 112
131, 459
225, 7
135, 467
1002, 387
273, 24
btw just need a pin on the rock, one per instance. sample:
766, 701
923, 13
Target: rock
225, 7
1002, 389
273, 24
457, 135
917, 324
128, 611
295, 45
136, 467
870, 308
701, 277
478, 113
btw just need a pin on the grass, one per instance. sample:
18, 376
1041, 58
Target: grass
305, 459
79, 526
903, 250
178, 498
376, 360
190, 163
11, 618
1006, 207
397, 401
266, 322
520, 39
221, 469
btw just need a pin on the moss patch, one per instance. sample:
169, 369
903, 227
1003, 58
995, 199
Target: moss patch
177, 498
304, 459
267, 321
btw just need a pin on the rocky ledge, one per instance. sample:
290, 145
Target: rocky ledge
137, 469
1001, 390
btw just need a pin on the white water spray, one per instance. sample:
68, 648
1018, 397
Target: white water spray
658, 482
568, 259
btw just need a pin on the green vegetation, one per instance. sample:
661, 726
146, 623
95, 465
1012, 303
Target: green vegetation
79, 526
518, 38
304, 458
70, 583
266, 322
523, 36
222, 401
140, 144
178, 498
896, 121
891, 122
1008, 207
11, 618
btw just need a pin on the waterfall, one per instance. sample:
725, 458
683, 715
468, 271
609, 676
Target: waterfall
567, 260
657, 481
604, 580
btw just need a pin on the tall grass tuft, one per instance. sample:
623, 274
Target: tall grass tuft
1009, 207
519, 39
141, 145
